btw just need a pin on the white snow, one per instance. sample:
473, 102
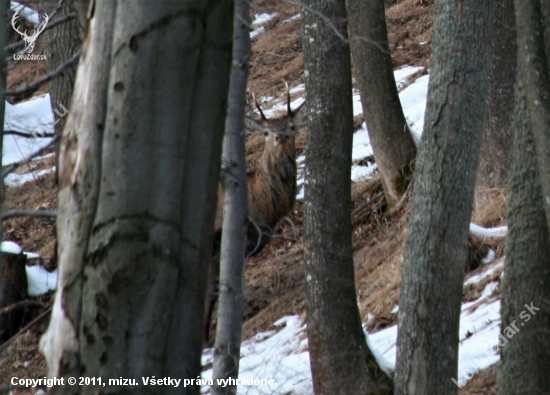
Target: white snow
32, 116
15, 179
26, 12
40, 280
263, 18
479, 231
283, 356
10, 247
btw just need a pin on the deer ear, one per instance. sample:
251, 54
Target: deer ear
299, 114
252, 125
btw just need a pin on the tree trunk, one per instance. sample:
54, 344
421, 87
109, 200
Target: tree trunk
496, 144
341, 362
4, 7
227, 348
391, 140
533, 26
63, 41
525, 311
139, 185
14, 275
437, 246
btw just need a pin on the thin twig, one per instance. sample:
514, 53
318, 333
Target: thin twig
22, 162
33, 86
26, 328
334, 27
29, 213
21, 303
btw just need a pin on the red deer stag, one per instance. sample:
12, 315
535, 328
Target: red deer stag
271, 191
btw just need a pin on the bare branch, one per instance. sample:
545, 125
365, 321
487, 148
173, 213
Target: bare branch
28, 135
15, 165
33, 86
334, 27
5, 345
21, 303
28, 213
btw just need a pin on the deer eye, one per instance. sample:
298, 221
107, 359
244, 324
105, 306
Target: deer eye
292, 127
266, 132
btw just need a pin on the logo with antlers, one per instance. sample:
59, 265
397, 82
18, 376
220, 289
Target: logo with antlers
29, 39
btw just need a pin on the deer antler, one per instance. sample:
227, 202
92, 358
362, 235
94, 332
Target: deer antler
259, 108
290, 113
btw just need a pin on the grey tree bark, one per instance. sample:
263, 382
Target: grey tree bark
525, 310
227, 347
496, 144
436, 249
63, 41
341, 362
533, 27
391, 140
138, 193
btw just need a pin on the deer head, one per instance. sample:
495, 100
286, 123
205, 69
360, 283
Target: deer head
280, 133
30, 40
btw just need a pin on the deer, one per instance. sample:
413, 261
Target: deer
271, 191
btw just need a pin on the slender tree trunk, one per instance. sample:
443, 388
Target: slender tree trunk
139, 185
494, 156
391, 140
4, 7
437, 246
227, 348
341, 362
524, 347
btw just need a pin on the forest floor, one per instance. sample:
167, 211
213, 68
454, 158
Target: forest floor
275, 278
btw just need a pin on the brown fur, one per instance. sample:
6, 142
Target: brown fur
271, 196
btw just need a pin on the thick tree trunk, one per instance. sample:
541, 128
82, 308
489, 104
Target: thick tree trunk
494, 156
341, 362
227, 348
437, 246
391, 140
524, 347
139, 185
79, 179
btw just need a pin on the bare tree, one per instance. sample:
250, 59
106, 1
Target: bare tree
341, 362
227, 348
391, 140
140, 162
437, 245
